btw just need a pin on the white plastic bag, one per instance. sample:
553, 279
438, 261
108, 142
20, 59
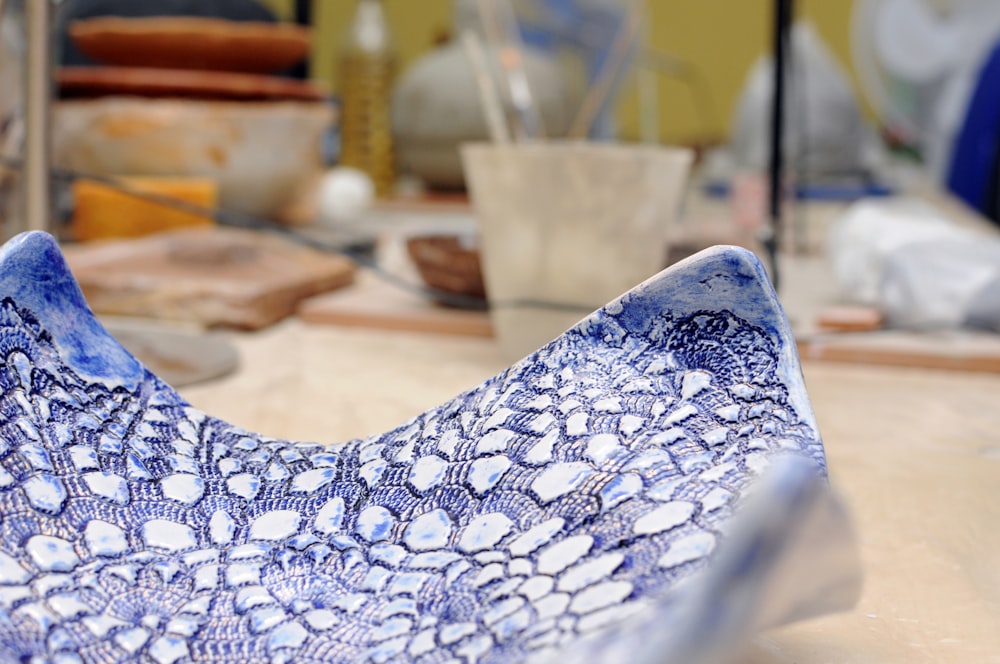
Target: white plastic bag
943, 284
920, 269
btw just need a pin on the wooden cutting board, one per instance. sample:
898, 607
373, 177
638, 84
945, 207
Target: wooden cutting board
380, 305
215, 277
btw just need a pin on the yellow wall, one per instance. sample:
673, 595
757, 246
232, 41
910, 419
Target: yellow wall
721, 37
414, 23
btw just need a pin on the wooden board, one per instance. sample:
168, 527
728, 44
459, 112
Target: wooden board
215, 277
380, 305
956, 351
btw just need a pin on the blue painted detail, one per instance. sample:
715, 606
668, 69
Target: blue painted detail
35, 276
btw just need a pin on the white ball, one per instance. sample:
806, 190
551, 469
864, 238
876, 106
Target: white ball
344, 194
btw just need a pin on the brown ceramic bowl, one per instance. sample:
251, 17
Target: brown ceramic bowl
449, 263
89, 82
187, 42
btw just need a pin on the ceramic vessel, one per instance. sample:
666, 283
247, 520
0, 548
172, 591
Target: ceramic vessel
259, 153
436, 107
588, 500
191, 42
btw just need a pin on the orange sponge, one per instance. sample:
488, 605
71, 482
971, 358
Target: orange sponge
104, 212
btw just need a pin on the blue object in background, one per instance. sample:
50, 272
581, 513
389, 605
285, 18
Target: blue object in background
822, 191
973, 169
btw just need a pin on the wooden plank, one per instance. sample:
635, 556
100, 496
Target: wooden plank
954, 351
380, 305
849, 318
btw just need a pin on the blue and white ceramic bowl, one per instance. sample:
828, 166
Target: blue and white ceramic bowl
590, 500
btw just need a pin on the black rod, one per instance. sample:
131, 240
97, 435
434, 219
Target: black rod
782, 27
303, 16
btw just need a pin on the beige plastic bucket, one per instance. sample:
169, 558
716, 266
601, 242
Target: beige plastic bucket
566, 227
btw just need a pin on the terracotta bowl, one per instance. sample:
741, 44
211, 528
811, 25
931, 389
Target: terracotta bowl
448, 263
187, 42
89, 82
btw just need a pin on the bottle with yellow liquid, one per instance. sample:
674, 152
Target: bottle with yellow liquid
367, 66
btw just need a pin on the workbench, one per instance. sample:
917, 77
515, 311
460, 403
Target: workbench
915, 454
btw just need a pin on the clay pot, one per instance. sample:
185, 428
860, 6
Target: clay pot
436, 107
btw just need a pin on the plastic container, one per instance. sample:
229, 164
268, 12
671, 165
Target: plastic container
566, 227
367, 64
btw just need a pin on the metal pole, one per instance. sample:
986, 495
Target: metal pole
782, 25
303, 16
38, 87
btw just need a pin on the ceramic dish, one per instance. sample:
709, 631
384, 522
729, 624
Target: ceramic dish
188, 42
589, 502
260, 154
449, 263
156, 83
